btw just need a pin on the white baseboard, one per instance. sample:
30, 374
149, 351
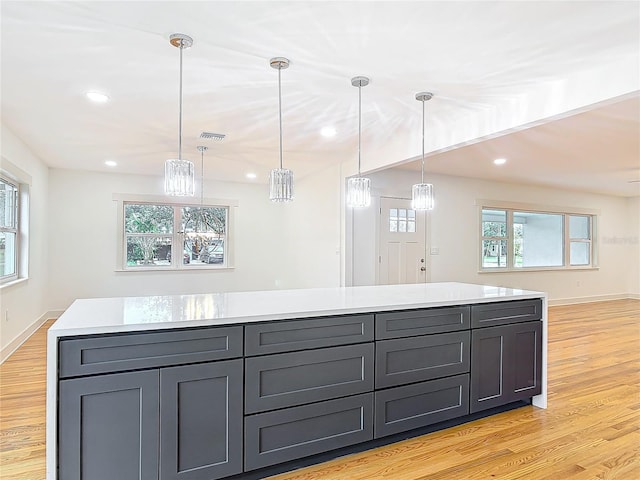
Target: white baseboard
13, 345
594, 298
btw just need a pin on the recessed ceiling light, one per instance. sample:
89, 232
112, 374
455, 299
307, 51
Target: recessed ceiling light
111, 163
251, 175
500, 161
328, 132
97, 97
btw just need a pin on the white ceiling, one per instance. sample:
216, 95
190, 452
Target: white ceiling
495, 68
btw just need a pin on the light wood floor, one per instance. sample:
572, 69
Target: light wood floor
591, 429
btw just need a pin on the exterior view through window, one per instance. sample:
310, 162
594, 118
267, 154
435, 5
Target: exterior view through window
175, 236
8, 230
517, 239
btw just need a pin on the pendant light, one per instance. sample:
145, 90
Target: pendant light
422, 193
179, 174
280, 179
359, 188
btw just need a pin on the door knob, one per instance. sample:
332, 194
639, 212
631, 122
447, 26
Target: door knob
423, 269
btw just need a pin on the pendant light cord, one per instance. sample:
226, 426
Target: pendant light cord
202, 174
422, 178
280, 109
359, 122
180, 114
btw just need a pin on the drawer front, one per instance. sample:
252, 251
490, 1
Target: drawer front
410, 323
413, 406
289, 434
503, 313
288, 336
112, 353
290, 379
416, 359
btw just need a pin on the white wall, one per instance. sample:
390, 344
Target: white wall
82, 215
25, 302
454, 232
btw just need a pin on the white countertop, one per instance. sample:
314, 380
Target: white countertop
124, 314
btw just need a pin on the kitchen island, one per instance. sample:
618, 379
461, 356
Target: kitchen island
246, 384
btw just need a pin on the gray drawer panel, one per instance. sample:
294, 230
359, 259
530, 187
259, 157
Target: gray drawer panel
112, 353
416, 359
503, 313
413, 406
288, 336
297, 432
409, 323
289, 379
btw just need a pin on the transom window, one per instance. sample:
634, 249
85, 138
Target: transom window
402, 220
169, 236
9, 228
518, 239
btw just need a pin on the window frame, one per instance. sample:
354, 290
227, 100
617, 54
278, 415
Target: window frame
16, 229
510, 208
177, 237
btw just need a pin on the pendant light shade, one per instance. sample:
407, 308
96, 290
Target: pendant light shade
179, 174
280, 179
422, 193
359, 188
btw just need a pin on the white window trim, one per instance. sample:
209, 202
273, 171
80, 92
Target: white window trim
122, 198
22, 180
537, 208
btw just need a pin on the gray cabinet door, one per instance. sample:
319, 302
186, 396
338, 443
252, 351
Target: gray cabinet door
413, 406
289, 379
288, 434
108, 427
416, 359
201, 418
505, 364
302, 334
409, 323
504, 313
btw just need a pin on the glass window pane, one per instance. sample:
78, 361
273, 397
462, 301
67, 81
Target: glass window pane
579, 253
7, 253
203, 250
579, 227
494, 254
494, 223
402, 226
393, 225
8, 206
411, 226
148, 251
402, 213
540, 242
145, 218
412, 214
204, 220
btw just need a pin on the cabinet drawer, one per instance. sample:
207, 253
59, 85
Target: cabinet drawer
502, 313
288, 336
414, 406
409, 323
289, 434
288, 379
415, 359
112, 353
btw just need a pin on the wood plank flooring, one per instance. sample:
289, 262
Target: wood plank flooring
591, 429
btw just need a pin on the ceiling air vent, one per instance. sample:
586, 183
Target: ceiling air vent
212, 136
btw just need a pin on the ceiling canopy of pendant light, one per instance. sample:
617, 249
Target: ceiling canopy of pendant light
422, 193
280, 179
359, 188
179, 174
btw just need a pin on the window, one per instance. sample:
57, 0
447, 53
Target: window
402, 220
162, 236
9, 229
517, 239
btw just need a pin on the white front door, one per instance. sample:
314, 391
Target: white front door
402, 243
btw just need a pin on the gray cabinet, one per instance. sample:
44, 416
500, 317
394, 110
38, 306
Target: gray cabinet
506, 364
413, 406
415, 359
408, 323
108, 427
201, 417
289, 379
505, 313
276, 437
